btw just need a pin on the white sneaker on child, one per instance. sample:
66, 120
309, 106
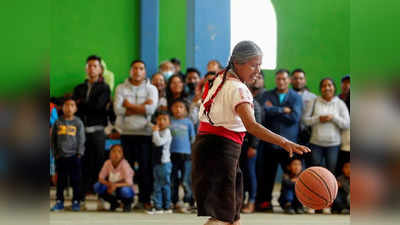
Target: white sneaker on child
167, 211
154, 211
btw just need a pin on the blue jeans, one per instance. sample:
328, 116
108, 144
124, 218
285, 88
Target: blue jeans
123, 193
330, 154
184, 166
248, 167
162, 185
288, 196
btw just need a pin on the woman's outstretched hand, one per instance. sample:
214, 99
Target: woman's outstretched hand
292, 147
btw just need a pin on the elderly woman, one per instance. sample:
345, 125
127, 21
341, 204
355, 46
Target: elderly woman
225, 115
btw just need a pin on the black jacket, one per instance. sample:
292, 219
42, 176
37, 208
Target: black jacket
253, 140
94, 111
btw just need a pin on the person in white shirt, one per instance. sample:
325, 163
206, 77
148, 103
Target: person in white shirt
225, 115
328, 116
135, 102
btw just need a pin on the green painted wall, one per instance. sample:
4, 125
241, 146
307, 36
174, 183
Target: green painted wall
109, 29
313, 35
172, 31
25, 45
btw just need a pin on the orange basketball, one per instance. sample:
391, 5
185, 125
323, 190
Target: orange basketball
316, 188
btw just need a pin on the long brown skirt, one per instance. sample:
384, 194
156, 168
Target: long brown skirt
216, 178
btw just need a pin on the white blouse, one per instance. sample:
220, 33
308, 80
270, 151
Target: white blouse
223, 110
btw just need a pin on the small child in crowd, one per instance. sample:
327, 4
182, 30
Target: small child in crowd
116, 180
342, 201
68, 144
288, 200
183, 135
162, 166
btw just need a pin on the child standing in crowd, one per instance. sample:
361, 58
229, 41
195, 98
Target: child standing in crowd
288, 200
183, 135
116, 180
67, 141
162, 164
342, 201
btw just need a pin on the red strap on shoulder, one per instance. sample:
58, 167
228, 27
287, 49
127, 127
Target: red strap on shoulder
207, 105
205, 93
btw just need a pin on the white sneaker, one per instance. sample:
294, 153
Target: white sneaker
167, 211
154, 211
326, 211
310, 211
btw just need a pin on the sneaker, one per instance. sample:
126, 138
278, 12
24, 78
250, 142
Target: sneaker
168, 211
289, 210
299, 211
326, 211
114, 206
147, 206
318, 211
264, 207
127, 207
310, 211
76, 206
58, 206
249, 208
154, 211
83, 205
346, 211
181, 210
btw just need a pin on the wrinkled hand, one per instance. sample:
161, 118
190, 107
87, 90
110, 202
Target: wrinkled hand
287, 110
251, 152
292, 147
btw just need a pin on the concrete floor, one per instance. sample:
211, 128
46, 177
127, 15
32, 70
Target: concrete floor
138, 217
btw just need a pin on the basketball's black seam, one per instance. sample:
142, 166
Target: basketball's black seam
313, 191
305, 196
326, 185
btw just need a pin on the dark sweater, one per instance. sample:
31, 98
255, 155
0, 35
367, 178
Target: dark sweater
68, 137
92, 111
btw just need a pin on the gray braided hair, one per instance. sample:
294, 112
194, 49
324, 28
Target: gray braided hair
243, 52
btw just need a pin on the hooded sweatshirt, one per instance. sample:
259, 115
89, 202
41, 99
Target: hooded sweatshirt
326, 134
135, 124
